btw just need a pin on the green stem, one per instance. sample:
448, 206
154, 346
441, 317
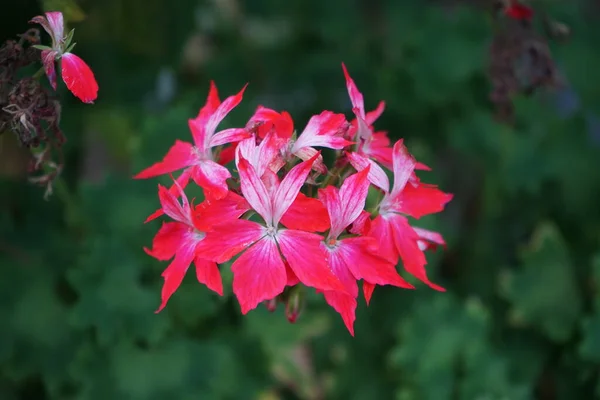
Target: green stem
39, 73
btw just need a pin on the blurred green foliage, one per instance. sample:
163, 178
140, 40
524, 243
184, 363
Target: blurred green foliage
521, 317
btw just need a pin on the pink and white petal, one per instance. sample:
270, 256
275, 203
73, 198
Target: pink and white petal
215, 212
174, 274
79, 78
220, 113
306, 214
171, 206
198, 124
56, 23
48, 60
420, 200
356, 97
306, 153
229, 136
414, 261
330, 198
363, 131
182, 181
372, 116
368, 289
208, 274
403, 166
289, 187
43, 21
179, 156
255, 191
353, 195
167, 240
376, 176
212, 177
322, 130
226, 240
359, 255
303, 252
430, 236
258, 274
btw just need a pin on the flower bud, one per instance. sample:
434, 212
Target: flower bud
294, 304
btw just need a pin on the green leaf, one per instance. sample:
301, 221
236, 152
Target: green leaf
543, 291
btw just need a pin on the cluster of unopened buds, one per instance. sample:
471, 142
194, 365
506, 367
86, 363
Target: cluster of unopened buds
291, 221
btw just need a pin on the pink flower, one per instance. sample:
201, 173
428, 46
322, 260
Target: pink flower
260, 271
76, 74
180, 239
352, 258
197, 159
391, 227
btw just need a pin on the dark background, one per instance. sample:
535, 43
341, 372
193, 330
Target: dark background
521, 317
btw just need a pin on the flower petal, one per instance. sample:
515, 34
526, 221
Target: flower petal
306, 258
376, 176
180, 183
353, 195
306, 214
180, 155
228, 239
167, 240
420, 200
214, 212
174, 274
359, 254
368, 289
208, 274
255, 192
229, 136
403, 165
48, 57
356, 97
198, 124
212, 177
79, 78
405, 239
180, 212
289, 187
381, 230
258, 274
56, 23
372, 116
324, 130
220, 113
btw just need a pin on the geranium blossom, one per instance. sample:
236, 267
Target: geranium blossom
281, 220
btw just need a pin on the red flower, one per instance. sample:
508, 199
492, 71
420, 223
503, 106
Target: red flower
352, 258
76, 74
391, 228
518, 11
198, 159
180, 239
260, 272
285, 250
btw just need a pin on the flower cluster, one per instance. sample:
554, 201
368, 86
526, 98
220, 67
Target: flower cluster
288, 218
